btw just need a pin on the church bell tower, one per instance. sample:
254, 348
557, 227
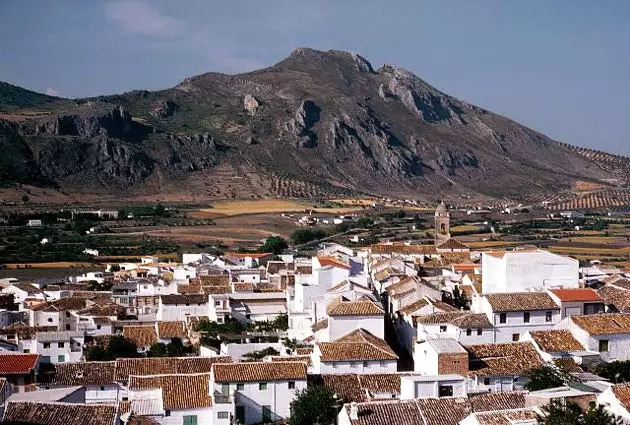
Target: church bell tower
442, 224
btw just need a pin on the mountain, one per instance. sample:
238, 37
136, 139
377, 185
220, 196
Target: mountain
316, 124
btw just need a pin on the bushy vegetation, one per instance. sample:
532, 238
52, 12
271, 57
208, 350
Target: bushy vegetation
568, 413
261, 354
315, 404
546, 376
117, 347
175, 348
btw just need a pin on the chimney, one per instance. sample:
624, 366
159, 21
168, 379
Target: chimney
354, 411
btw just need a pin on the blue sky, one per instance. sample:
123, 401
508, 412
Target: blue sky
561, 67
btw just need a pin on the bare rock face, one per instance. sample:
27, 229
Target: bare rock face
306, 116
163, 108
250, 103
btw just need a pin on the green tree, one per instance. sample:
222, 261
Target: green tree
460, 300
281, 322
176, 348
315, 404
364, 222
302, 236
558, 413
275, 244
117, 347
617, 371
546, 376
158, 350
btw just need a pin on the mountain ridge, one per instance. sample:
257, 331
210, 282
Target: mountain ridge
315, 124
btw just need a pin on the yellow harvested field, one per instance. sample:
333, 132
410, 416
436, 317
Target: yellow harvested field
594, 251
483, 244
464, 228
265, 206
598, 239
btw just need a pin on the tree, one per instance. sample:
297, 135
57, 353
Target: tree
460, 300
302, 236
96, 286
617, 371
364, 222
315, 404
558, 413
546, 376
158, 350
25, 199
275, 244
117, 347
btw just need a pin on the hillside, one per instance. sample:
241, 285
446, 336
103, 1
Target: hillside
316, 124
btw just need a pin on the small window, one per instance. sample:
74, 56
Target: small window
548, 316
67, 327
50, 319
486, 381
442, 328
167, 413
335, 366
190, 420
382, 363
223, 415
291, 385
98, 327
46, 344
60, 344
365, 364
240, 387
102, 388
353, 365
125, 399
468, 332
526, 317
603, 345
479, 332
502, 318
445, 391
187, 304
218, 304
516, 337
61, 358
262, 386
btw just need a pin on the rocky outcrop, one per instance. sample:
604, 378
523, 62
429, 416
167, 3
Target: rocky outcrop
250, 103
113, 122
163, 108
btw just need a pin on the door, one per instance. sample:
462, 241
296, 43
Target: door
225, 389
240, 414
266, 414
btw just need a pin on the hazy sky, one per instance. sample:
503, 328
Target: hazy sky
559, 66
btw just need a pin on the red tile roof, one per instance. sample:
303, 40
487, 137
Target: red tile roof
17, 364
327, 261
576, 295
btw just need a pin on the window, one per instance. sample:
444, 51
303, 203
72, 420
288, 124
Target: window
548, 316
240, 387
486, 381
479, 332
26, 350
239, 412
353, 365
266, 413
217, 303
502, 318
190, 420
61, 358
187, 304
102, 388
50, 319
526, 317
223, 415
225, 389
335, 366
219, 319
445, 391
262, 386
365, 364
468, 332
67, 314
442, 328
291, 385
382, 363
167, 413
60, 344
516, 337
67, 327
603, 345
46, 344
98, 327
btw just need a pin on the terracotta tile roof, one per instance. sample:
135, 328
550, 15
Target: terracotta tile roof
28, 288
357, 345
461, 319
622, 392
259, 371
386, 274
375, 383
621, 283
110, 309
64, 304
361, 307
526, 416
403, 249
142, 336
318, 326
179, 392
23, 331
166, 365
521, 301
214, 280
604, 324
243, 287
453, 244
47, 413
568, 364
345, 386
403, 285
613, 295
216, 290
383, 413
576, 295
333, 262
304, 359
17, 364
184, 299
556, 341
83, 373
168, 330
415, 306
303, 269
497, 401
188, 288
511, 359
444, 411
142, 420
303, 351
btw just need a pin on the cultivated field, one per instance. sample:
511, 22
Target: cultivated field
265, 206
